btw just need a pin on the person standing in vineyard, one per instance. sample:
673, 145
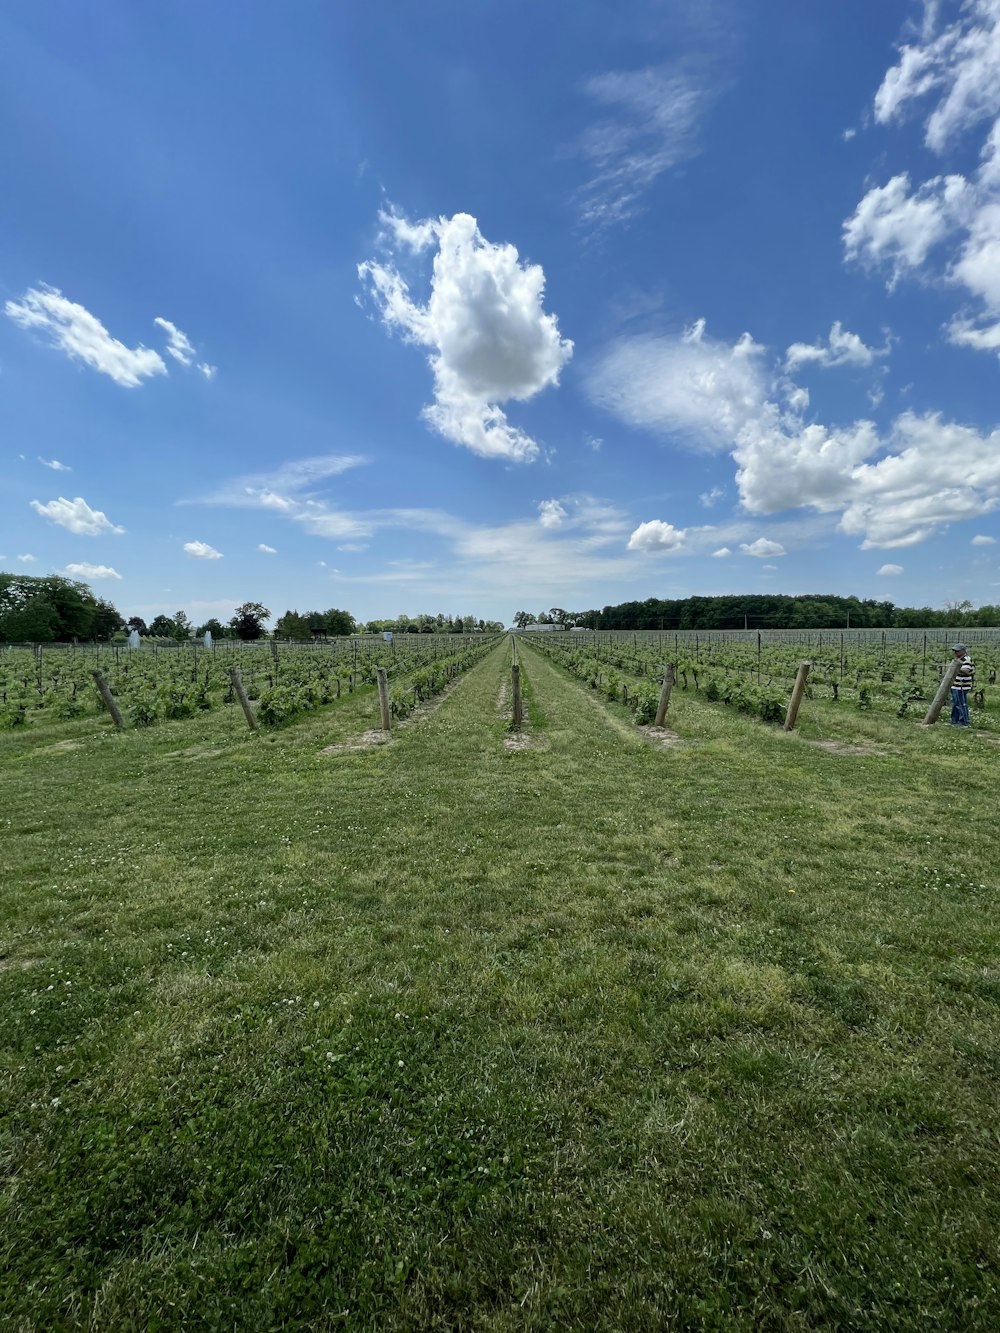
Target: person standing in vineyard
961, 686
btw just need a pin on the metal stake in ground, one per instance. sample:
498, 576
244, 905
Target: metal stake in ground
241, 694
797, 693
109, 699
934, 712
669, 673
515, 680
383, 697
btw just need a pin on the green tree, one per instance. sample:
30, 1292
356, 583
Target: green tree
339, 624
182, 626
248, 622
107, 620
137, 623
161, 627
291, 626
38, 610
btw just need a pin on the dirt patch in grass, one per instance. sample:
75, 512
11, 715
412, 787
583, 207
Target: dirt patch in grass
841, 747
366, 741
16, 964
195, 752
523, 740
661, 736
59, 747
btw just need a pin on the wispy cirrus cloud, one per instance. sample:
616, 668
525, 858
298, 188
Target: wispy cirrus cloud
286, 488
180, 347
82, 336
650, 124
54, 464
74, 330
77, 516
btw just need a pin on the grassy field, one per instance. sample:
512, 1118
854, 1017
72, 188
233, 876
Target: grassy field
591, 1033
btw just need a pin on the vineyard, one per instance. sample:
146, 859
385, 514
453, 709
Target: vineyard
310, 1026
151, 683
888, 672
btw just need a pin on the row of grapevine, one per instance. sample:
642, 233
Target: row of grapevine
178, 684
758, 678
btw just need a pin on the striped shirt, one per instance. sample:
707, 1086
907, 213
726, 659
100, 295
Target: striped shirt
965, 676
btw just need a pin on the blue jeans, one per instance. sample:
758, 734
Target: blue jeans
959, 707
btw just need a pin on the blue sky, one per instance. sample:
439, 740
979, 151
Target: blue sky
475, 308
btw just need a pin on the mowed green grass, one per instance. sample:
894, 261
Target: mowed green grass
592, 1034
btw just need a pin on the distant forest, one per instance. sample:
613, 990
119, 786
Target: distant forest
767, 611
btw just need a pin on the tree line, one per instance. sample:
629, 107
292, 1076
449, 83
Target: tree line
56, 609
51, 609
765, 611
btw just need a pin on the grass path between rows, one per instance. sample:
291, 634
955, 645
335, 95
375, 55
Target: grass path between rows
588, 1034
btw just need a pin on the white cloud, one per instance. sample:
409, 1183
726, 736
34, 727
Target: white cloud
899, 228
651, 126
785, 464
762, 548
286, 488
712, 497
721, 553
77, 516
890, 489
891, 569
202, 551
81, 335
695, 387
908, 494
178, 345
962, 61
955, 72
489, 337
551, 513
842, 348
982, 540
656, 535
27, 559
83, 570
54, 464
268, 550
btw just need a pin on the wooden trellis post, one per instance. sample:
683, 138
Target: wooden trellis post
797, 693
241, 694
109, 699
383, 697
934, 712
669, 672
